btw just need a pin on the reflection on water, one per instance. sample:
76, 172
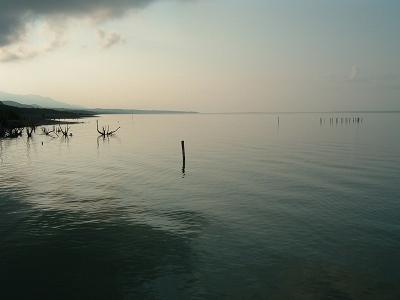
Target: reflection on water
58, 254
306, 212
106, 140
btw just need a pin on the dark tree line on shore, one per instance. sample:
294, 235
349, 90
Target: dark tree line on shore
13, 120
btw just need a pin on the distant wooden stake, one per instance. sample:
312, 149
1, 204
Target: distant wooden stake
183, 155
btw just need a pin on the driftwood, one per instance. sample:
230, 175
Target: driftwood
105, 131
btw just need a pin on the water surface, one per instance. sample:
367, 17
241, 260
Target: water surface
302, 210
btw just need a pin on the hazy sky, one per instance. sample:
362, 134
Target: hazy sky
205, 55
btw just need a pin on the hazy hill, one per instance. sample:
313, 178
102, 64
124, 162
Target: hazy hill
17, 104
34, 100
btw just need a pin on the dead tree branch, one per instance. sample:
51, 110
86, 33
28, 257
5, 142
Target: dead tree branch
29, 131
65, 131
47, 132
105, 131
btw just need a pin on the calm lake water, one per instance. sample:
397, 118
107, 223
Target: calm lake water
299, 211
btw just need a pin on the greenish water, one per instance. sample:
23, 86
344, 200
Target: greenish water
299, 211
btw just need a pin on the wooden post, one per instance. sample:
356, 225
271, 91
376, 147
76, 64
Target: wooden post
183, 156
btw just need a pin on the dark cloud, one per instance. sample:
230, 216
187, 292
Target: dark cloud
15, 14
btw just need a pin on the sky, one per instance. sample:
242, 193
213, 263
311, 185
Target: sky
204, 55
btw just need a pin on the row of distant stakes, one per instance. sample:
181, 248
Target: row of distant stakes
338, 120
341, 120
54, 132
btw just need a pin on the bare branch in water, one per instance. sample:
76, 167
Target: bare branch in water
10, 132
105, 131
65, 131
29, 131
47, 132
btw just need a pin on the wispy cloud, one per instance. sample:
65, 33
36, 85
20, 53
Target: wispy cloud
358, 78
354, 73
14, 54
108, 39
351, 76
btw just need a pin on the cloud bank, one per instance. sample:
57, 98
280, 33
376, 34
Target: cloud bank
16, 15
